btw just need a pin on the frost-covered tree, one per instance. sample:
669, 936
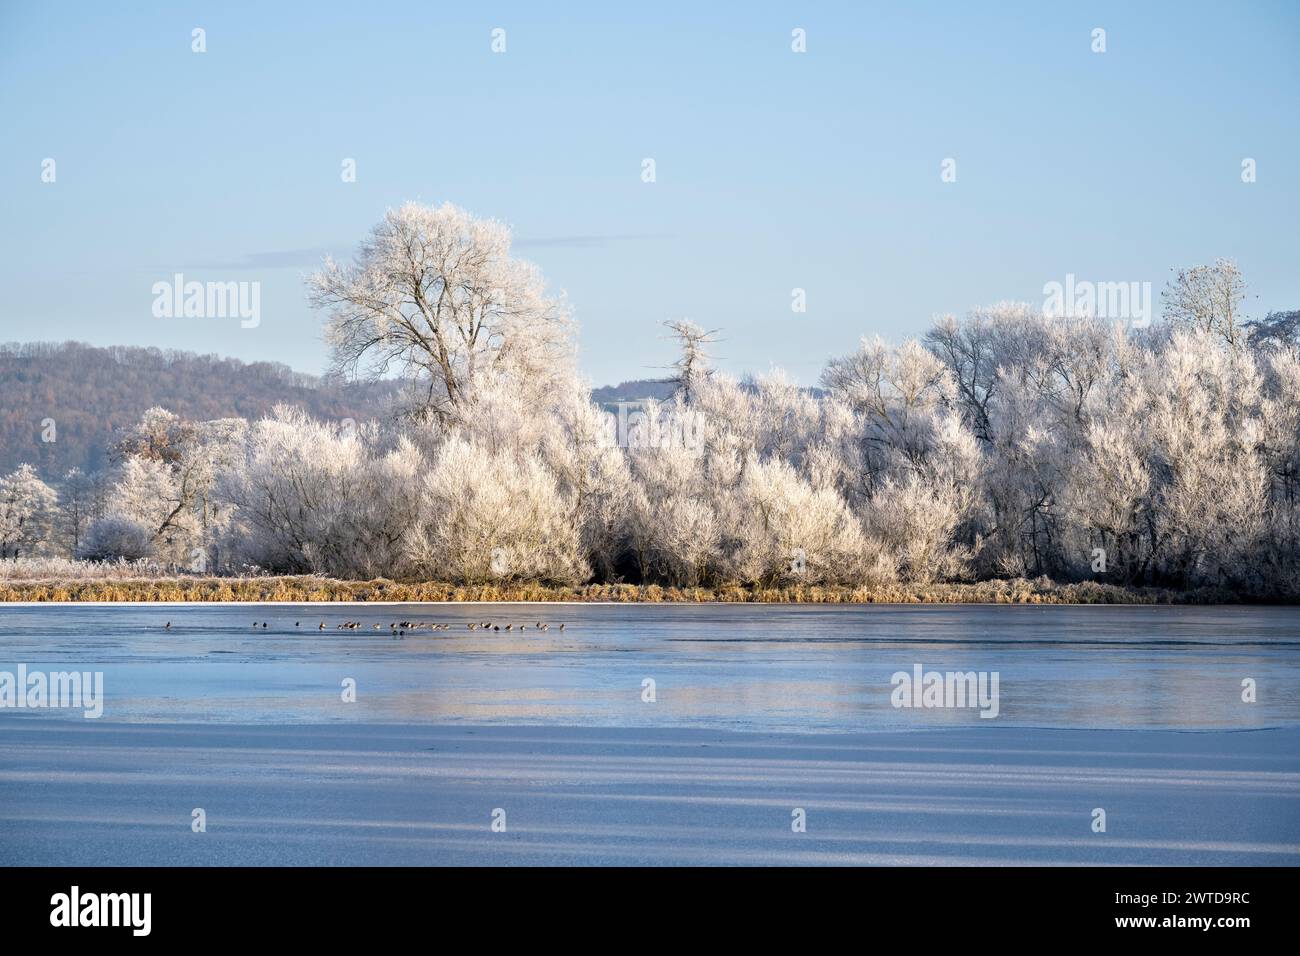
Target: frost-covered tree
115, 538
81, 501
693, 365
1202, 424
1207, 299
679, 513
920, 513
1109, 500
489, 517
435, 295
146, 493
592, 476
329, 498
974, 349
898, 393
159, 436
27, 513
1279, 449
165, 480
795, 533
1276, 332
920, 466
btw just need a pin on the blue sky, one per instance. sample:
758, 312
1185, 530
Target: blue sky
775, 170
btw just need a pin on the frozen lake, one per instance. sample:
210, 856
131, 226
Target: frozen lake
761, 713
775, 668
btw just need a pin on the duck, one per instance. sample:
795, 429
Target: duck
168, 626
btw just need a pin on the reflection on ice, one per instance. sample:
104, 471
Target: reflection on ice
770, 668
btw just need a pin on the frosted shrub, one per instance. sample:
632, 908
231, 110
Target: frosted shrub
794, 533
27, 510
322, 498
490, 516
116, 538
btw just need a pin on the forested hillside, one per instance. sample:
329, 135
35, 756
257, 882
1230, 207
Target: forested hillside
90, 392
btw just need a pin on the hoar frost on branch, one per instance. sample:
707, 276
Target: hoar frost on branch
435, 296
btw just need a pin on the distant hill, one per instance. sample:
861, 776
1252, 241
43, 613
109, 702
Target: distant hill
90, 392
637, 390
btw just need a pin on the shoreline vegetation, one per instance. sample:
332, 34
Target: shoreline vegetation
308, 589
1129, 461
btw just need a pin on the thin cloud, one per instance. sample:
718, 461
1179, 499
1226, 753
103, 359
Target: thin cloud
583, 242
311, 257
276, 259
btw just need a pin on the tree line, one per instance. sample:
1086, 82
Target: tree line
1005, 443
64, 403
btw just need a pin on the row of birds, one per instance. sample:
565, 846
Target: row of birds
401, 627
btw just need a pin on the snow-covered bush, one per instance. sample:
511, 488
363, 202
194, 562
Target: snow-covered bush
116, 538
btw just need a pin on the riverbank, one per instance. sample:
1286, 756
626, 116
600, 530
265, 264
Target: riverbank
92, 793
311, 589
